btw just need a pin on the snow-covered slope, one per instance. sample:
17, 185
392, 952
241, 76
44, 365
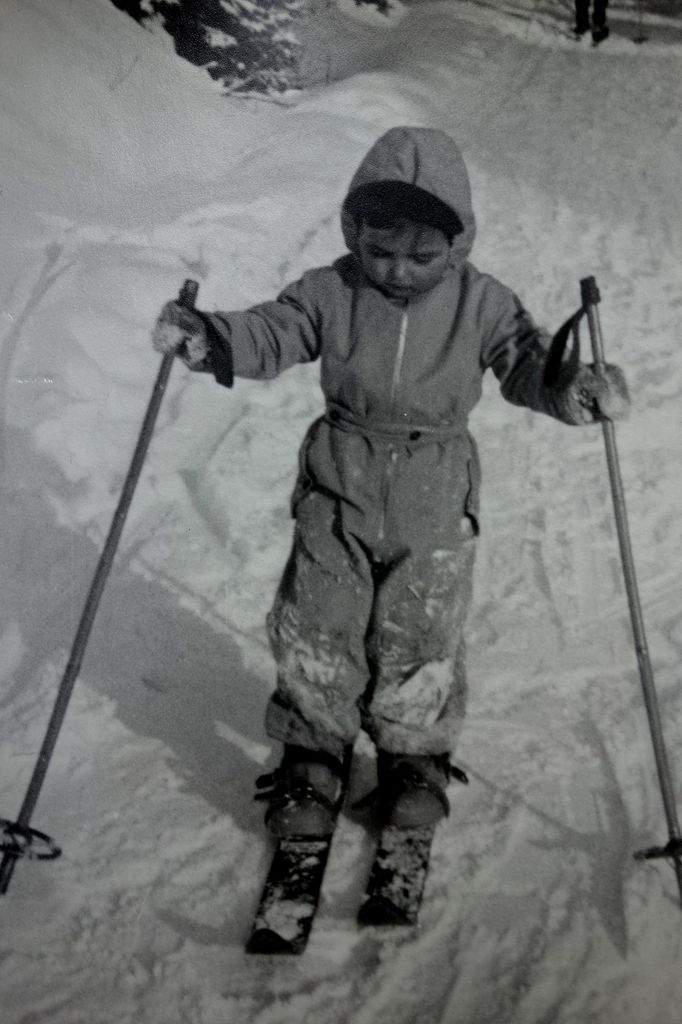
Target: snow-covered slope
124, 171
249, 46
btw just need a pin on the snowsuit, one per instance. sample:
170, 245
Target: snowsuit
366, 626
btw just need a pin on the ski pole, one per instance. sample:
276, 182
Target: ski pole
18, 839
590, 299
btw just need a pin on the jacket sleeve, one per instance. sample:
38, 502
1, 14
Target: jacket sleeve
263, 341
516, 349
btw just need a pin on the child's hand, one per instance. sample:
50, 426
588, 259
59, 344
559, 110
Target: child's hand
602, 395
181, 331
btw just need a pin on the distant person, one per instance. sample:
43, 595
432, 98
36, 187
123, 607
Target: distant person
600, 29
367, 624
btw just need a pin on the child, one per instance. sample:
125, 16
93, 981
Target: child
366, 626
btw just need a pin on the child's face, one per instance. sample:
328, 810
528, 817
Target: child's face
403, 261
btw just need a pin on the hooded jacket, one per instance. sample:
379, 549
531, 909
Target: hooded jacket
397, 376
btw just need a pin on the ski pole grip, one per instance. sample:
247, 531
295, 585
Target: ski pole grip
590, 298
188, 293
589, 292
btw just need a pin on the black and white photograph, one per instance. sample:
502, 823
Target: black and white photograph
340, 532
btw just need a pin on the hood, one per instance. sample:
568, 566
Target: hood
427, 158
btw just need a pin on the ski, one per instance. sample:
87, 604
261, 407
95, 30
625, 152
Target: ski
290, 896
291, 893
397, 878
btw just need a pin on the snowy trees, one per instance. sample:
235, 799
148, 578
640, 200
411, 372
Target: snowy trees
248, 45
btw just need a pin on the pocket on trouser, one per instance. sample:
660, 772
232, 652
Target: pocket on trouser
304, 480
472, 500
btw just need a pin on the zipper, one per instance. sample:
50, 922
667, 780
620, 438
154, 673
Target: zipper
393, 454
398, 364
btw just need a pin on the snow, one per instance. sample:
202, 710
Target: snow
124, 172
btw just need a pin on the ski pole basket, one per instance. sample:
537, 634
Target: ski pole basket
22, 841
671, 850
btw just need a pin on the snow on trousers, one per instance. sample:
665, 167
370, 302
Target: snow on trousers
367, 623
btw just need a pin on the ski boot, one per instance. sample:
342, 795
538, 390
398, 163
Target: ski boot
599, 34
412, 789
304, 793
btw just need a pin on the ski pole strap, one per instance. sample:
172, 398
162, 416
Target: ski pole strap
559, 373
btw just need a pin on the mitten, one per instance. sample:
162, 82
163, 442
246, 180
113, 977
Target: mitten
597, 395
183, 332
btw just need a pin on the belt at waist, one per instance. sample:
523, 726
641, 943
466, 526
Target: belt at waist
391, 431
